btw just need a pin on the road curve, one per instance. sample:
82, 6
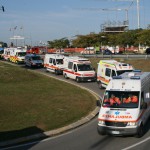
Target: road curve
86, 136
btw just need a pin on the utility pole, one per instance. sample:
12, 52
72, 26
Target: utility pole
138, 13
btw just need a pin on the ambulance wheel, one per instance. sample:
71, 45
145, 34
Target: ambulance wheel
100, 85
101, 132
56, 72
140, 132
77, 79
65, 76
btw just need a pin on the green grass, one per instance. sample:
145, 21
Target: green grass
31, 103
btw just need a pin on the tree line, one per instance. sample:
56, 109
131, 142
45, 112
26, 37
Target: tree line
128, 38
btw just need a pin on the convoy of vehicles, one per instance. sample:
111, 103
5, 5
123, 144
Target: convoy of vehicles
54, 63
125, 106
79, 69
109, 68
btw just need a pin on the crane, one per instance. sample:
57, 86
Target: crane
138, 9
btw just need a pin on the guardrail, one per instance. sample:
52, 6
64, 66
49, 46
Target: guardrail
117, 56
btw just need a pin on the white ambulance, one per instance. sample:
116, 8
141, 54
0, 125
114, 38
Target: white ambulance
109, 68
17, 55
125, 107
79, 69
6, 53
54, 63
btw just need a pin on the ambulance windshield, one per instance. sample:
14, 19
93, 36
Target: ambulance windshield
84, 67
121, 99
36, 58
119, 72
21, 54
59, 61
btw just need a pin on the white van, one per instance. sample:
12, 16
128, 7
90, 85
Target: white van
54, 63
79, 69
125, 107
109, 68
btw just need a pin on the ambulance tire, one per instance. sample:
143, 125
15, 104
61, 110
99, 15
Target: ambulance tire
65, 76
56, 72
77, 79
101, 132
100, 85
140, 132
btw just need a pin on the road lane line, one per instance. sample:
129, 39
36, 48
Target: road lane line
134, 145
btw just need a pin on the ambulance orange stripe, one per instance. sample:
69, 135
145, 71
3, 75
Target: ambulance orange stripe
71, 72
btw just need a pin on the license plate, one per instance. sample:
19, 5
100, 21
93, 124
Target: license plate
89, 79
115, 132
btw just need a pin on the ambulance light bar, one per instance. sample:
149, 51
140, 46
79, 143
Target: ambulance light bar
117, 77
136, 70
135, 77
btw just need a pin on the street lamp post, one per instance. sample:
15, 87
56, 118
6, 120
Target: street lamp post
103, 37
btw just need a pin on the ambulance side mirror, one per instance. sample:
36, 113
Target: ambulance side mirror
144, 106
98, 103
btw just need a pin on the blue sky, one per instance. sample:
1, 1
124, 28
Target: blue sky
44, 20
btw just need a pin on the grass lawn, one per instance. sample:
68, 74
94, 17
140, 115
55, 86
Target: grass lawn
31, 103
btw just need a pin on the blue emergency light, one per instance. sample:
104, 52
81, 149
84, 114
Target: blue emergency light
117, 77
135, 77
136, 70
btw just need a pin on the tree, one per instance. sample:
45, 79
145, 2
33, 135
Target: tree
61, 43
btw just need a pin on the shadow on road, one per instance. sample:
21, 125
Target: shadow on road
8, 138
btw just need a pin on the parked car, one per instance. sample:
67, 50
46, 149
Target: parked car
33, 60
107, 52
147, 51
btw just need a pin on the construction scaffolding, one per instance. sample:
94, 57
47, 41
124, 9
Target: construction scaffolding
115, 27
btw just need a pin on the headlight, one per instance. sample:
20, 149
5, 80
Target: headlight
132, 124
100, 122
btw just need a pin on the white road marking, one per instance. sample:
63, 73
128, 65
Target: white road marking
134, 145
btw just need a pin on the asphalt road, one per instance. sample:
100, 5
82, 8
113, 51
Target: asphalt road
86, 136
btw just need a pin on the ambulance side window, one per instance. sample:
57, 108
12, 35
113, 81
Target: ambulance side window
75, 68
113, 73
108, 72
54, 61
50, 60
70, 64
